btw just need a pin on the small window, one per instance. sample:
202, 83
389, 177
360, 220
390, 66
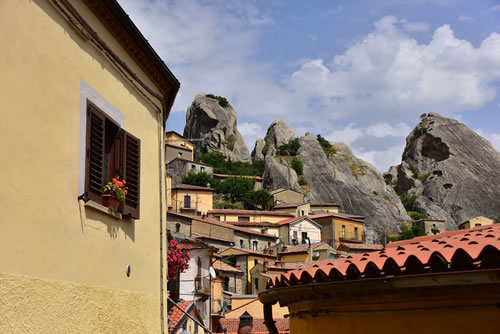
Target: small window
110, 152
255, 245
255, 262
302, 212
356, 233
193, 167
243, 219
269, 244
242, 243
202, 168
478, 224
304, 237
195, 328
343, 231
177, 227
256, 283
295, 234
217, 217
187, 202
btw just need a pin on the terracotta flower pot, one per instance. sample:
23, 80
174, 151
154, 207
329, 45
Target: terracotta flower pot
109, 201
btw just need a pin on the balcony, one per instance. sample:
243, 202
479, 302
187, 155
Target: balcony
202, 286
352, 237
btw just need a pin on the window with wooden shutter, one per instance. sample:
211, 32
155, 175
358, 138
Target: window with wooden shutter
95, 151
131, 174
111, 152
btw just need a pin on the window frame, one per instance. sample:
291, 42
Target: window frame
110, 151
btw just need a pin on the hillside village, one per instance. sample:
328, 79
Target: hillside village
114, 223
248, 247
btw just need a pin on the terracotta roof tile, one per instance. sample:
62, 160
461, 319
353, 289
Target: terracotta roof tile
301, 248
177, 314
288, 205
368, 247
213, 221
219, 265
191, 187
251, 251
232, 325
460, 250
268, 224
249, 212
316, 215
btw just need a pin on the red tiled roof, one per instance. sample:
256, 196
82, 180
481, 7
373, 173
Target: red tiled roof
219, 265
461, 250
358, 219
251, 251
368, 247
301, 248
232, 325
289, 220
249, 212
177, 314
288, 205
243, 176
324, 204
253, 224
191, 187
233, 227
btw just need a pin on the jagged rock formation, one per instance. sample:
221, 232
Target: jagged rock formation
454, 171
356, 185
216, 126
278, 133
258, 150
340, 177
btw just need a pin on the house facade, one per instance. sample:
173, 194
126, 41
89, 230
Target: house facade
299, 230
177, 147
285, 196
475, 222
195, 200
235, 215
431, 226
179, 168
84, 99
340, 228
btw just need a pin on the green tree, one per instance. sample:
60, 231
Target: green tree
497, 219
298, 166
291, 148
199, 179
235, 188
256, 199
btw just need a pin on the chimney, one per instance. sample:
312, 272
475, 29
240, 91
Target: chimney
246, 323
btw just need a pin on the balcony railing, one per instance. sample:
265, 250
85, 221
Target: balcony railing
202, 285
351, 236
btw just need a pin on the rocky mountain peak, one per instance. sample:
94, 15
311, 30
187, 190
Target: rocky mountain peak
454, 172
213, 121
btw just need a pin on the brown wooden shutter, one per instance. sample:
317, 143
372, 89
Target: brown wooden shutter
131, 174
94, 164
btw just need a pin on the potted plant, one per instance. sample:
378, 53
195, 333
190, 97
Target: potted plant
294, 241
113, 193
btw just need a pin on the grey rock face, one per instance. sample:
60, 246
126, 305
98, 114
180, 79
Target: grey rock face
258, 150
354, 184
278, 174
278, 133
216, 127
455, 171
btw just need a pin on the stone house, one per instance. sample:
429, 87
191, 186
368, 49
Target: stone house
431, 226
84, 99
285, 196
177, 147
178, 168
475, 222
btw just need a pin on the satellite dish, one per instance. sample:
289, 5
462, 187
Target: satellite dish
212, 272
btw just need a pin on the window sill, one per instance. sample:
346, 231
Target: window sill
103, 209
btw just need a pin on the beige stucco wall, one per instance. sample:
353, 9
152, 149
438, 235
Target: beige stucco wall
201, 200
327, 208
255, 308
63, 264
475, 221
270, 218
288, 196
349, 228
212, 230
176, 140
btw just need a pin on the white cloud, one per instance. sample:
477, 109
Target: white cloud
251, 132
386, 77
383, 158
493, 138
389, 75
464, 18
496, 8
415, 26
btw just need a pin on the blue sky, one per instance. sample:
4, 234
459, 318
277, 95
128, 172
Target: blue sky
359, 72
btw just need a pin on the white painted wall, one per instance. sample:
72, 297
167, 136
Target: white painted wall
313, 230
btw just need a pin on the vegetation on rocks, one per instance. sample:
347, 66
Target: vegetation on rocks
222, 100
406, 234
327, 147
297, 165
289, 149
227, 166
